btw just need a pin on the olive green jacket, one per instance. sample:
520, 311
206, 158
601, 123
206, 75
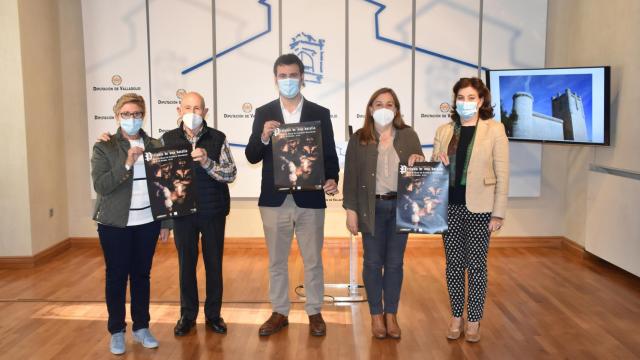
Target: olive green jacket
360, 168
112, 181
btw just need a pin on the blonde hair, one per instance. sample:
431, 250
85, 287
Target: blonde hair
129, 98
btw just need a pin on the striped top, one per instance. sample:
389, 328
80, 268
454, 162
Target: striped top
140, 209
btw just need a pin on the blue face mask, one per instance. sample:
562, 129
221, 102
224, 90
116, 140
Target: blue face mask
289, 88
466, 109
131, 126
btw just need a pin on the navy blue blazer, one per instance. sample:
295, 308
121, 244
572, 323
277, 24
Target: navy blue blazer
256, 151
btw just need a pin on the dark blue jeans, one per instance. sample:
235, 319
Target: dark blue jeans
128, 254
383, 260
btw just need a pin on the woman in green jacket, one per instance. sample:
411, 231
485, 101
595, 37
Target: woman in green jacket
370, 191
128, 233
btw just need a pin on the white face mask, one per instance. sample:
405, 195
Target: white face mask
466, 109
383, 117
192, 120
289, 87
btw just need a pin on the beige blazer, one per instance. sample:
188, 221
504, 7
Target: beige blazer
488, 171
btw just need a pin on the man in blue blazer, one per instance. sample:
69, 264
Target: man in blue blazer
303, 211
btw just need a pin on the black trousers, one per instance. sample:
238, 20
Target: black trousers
128, 255
187, 231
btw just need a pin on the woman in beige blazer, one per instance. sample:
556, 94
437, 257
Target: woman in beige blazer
476, 150
370, 186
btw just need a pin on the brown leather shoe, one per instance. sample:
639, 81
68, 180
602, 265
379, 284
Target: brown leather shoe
274, 324
317, 327
393, 329
378, 329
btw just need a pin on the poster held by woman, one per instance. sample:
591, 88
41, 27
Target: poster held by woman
423, 196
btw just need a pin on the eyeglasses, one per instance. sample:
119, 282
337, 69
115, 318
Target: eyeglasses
128, 115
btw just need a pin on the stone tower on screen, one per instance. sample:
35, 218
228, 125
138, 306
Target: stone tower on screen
523, 113
567, 121
568, 107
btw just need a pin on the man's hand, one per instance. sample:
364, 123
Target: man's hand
104, 137
164, 235
133, 154
199, 155
267, 130
330, 187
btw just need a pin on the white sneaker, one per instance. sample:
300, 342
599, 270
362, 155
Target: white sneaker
146, 338
117, 346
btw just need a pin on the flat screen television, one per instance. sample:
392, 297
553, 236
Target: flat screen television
560, 105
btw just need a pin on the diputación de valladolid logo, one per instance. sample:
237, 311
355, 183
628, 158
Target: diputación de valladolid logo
311, 51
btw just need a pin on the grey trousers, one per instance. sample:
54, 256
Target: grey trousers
279, 224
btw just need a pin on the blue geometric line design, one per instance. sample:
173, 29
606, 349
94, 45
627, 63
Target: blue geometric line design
378, 37
234, 47
409, 46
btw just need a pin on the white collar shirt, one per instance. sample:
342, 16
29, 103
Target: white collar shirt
292, 117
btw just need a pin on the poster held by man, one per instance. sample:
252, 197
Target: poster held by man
298, 163
170, 179
423, 195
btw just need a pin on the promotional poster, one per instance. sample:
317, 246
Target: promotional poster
298, 162
423, 196
170, 180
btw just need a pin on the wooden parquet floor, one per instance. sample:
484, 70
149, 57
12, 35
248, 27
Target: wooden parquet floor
542, 304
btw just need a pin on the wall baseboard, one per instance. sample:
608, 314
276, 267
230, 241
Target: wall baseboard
26, 262
573, 248
84, 241
435, 241
421, 241
418, 241
567, 246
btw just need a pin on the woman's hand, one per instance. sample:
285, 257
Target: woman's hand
164, 235
133, 154
414, 158
495, 224
352, 222
104, 137
443, 159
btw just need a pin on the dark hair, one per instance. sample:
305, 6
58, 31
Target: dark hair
288, 59
486, 110
366, 134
